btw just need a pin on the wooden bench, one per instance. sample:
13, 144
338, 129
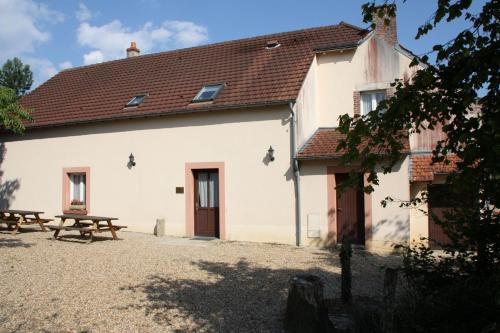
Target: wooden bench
17, 218
87, 225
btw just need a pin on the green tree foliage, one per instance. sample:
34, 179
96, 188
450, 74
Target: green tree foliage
12, 114
458, 91
17, 76
15, 80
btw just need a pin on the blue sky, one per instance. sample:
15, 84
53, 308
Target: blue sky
51, 35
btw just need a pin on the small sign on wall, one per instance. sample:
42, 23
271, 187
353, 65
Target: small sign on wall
313, 230
179, 190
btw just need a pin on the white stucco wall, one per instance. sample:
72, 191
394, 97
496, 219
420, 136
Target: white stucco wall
259, 195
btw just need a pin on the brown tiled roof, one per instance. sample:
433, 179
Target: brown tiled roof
323, 145
253, 74
422, 170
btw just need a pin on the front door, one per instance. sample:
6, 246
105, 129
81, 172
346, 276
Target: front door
350, 211
206, 203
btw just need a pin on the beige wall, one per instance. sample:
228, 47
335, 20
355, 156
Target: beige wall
306, 106
418, 215
373, 65
259, 193
390, 225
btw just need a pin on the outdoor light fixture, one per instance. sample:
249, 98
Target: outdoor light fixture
270, 153
131, 159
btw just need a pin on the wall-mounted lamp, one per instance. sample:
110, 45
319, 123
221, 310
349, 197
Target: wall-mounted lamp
270, 153
131, 160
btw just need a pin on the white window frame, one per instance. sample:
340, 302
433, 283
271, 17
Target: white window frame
217, 88
373, 96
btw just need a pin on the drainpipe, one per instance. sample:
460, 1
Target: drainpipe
296, 172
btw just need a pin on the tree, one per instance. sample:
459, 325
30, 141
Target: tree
458, 91
12, 114
17, 76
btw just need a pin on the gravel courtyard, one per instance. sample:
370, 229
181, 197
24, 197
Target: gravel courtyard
146, 284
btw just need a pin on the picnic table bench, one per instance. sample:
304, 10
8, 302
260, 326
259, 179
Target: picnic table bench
87, 225
17, 218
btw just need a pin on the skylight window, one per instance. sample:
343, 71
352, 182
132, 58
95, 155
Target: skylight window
136, 100
208, 92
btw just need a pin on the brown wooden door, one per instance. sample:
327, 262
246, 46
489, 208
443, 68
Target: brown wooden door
440, 200
350, 211
206, 199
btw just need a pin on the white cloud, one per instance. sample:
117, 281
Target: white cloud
187, 33
93, 57
109, 41
23, 26
83, 13
65, 65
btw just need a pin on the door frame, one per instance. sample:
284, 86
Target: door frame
332, 205
189, 195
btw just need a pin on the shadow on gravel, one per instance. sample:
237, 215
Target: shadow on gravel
77, 239
236, 298
13, 242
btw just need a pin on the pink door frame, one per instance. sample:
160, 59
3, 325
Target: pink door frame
189, 193
332, 205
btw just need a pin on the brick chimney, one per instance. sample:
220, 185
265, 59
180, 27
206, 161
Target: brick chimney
388, 32
133, 51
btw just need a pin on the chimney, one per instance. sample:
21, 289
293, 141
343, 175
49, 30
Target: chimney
385, 31
133, 51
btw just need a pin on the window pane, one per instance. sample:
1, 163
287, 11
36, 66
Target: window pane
77, 187
366, 103
214, 189
83, 188
208, 92
380, 96
203, 190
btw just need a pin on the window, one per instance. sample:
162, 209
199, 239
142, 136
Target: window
77, 189
370, 100
136, 100
208, 93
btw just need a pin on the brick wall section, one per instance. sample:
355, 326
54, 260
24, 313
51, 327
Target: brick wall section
423, 170
356, 96
387, 32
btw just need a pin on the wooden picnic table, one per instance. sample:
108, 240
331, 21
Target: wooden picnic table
87, 225
17, 218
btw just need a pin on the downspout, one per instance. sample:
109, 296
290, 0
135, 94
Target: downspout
296, 172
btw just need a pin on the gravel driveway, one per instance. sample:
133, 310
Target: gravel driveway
147, 284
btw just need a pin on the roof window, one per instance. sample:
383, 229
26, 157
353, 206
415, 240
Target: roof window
272, 44
136, 100
208, 92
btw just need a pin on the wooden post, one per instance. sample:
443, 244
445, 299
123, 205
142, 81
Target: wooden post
306, 310
389, 299
346, 275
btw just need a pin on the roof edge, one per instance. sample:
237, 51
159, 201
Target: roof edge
341, 23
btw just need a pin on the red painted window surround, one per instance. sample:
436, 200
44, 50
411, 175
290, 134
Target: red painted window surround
66, 188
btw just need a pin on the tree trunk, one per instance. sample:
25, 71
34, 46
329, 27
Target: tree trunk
306, 310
